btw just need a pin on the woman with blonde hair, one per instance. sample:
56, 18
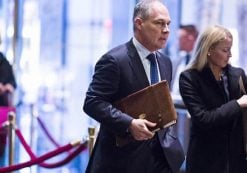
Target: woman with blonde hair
211, 92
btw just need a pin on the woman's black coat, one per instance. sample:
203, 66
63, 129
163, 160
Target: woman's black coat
216, 140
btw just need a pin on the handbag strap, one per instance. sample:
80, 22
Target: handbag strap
241, 85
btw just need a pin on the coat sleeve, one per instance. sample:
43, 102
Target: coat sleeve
244, 78
101, 94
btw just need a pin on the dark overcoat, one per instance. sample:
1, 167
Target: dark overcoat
216, 136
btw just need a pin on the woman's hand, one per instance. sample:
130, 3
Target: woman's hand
242, 101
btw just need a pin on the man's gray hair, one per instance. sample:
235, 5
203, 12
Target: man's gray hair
141, 9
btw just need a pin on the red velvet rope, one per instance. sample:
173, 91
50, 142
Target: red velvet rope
47, 132
48, 165
40, 160
24, 143
66, 160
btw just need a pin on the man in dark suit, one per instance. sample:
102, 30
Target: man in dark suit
119, 73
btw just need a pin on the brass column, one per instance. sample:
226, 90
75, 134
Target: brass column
91, 140
11, 137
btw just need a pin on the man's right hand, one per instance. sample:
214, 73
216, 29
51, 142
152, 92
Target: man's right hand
2, 89
139, 129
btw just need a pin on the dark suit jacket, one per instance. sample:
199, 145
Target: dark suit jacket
216, 140
117, 74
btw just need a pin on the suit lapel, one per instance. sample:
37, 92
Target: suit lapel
162, 69
137, 66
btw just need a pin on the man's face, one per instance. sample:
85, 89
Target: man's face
186, 40
154, 31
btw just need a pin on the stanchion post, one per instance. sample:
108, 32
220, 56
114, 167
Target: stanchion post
32, 128
11, 137
91, 140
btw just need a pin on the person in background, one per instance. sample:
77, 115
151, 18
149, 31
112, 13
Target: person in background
187, 35
211, 92
7, 81
7, 87
119, 73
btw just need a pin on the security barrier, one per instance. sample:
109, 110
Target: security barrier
73, 149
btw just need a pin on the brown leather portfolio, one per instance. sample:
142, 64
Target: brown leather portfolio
153, 103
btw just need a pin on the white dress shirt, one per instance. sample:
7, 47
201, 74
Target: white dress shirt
143, 53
